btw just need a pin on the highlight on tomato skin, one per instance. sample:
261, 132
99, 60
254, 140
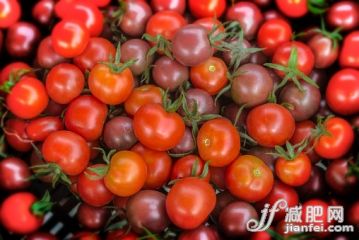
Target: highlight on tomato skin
175, 119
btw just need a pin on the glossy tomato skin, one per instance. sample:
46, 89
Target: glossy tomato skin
16, 215
340, 140
270, 124
64, 82
249, 178
46, 56
69, 38
13, 68
325, 52
38, 129
92, 217
86, 116
43, 11
16, 136
158, 163
343, 15
293, 9
67, 149
349, 56
14, 174
207, 8
157, 129
10, 12
174, 5
342, 92
118, 133
183, 167
337, 176
28, 98
189, 202
218, 142
272, 34
92, 189
127, 173
110, 87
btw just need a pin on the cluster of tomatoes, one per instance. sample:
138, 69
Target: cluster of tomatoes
175, 119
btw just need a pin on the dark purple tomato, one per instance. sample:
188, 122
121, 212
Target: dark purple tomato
337, 177
325, 52
229, 57
14, 174
118, 133
320, 77
231, 112
223, 199
186, 144
46, 56
92, 217
316, 184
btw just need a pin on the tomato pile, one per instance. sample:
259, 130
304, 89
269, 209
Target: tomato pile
177, 119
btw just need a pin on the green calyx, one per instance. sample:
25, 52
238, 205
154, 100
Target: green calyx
41, 207
14, 77
161, 45
290, 152
317, 7
115, 65
50, 169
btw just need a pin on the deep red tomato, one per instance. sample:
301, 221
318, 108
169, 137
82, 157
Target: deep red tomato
16, 213
270, 124
349, 54
127, 173
13, 68
10, 12
189, 202
43, 11
249, 178
141, 96
14, 174
68, 150
38, 129
91, 188
16, 136
294, 9
218, 142
165, 23
27, 98
86, 116
294, 172
158, 166
184, 166
207, 8
343, 15
109, 86
64, 82
342, 93
338, 141
305, 59
101, 3
174, 5
69, 38
272, 34
262, 235
46, 56
86, 236
210, 75
157, 129
324, 49
121, 235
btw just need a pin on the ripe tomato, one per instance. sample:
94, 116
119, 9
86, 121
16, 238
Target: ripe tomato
270, 124
127, 173
13, 68
324, 49
10, 12
349, 56
143, 95
218, 142
64, 82
69, 38
294, 9
305, 60
272, 34
184, 166
189, 202
207, 8
42, 11
158, 166
321, 220
38, 129
109, 86
16, 136
342, 93
121, 234
86, 116
16, 213
92, 189
174, 5
68, 150
14, 174
27, 98
211, 75
249, 178
343, 15
294, 172
165, 23
157, 129
339, 140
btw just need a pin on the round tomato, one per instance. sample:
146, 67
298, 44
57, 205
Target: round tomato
188, 165
349, 56
10, 12
207, 8
294, 9
38, 129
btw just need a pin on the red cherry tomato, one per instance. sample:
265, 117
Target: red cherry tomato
349, 54
184, 166
10, 12
207, 8
38, 129
294, 9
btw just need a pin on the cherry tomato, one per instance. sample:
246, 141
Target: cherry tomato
64, 82
324, 49
67, 149
338, 141
69, 38
16, 213
218, 142
349, 56
343, 15
157, 129
207, 8
43, 11
38, 129
270, 124
321, 220
14, 174
16, 136
211, 75
294, 9
184, 166
86, 116
109, 86
127, 173
189, 202
13, 68
121, 235
27, 98
174, 5
338, 176
46, 56
249, 178
10, 12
